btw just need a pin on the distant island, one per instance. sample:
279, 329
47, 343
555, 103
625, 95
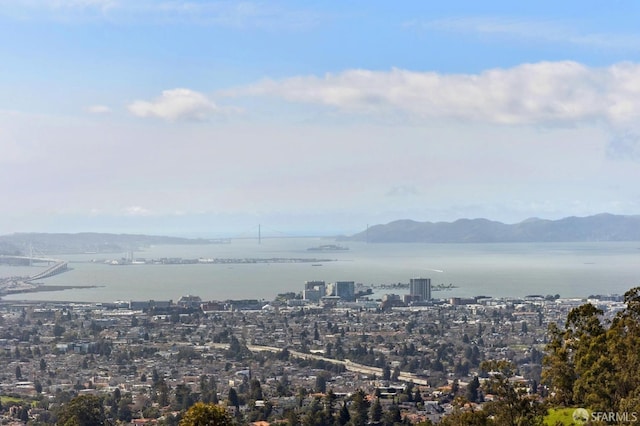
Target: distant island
601, 227
328, 247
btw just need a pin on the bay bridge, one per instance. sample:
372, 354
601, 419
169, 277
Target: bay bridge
55, 266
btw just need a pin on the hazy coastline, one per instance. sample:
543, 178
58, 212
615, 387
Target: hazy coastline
500, 270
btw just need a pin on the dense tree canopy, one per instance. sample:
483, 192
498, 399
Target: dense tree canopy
590, 365
201, 414
84, 410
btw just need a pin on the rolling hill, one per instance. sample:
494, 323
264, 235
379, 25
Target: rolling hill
601, 227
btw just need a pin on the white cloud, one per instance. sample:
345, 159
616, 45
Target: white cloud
546, 31
176, 104
99, 109
136, 211
230, 14
540, 93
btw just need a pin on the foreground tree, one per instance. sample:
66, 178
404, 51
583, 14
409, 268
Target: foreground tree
467, 418
513, 406
84, 410
359, 408
591, 366
201, 414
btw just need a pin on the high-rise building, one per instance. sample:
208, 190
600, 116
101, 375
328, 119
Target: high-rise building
316, 285
312, 295
420, 289
345, 290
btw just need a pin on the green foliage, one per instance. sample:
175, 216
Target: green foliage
472, 389
591, 366
233, 399
359, 408
315, 415
392, 416
512, 405
343, 415
255, 390
559, 416
201, 414
84, 410
376, 411
467, 418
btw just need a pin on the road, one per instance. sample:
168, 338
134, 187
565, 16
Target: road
349, 365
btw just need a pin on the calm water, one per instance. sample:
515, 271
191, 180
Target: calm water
569, 269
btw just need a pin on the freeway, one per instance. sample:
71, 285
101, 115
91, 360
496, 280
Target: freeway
349, 365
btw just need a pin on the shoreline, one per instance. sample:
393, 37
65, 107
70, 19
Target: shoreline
46, 288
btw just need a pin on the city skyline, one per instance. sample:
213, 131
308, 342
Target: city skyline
207, 117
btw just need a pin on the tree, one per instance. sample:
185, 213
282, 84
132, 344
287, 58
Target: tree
23, 414
512, 406
233, 399
183, 397
124, 409
208, 390
472, 389
386, 373
392, 416
623, 341
330, 402
201, 414
58, 330
321, 383
467, 418
282, 388
343, 415
595, 367
255, 390
359, 408
376, 411
291, 417
417, 397
579, 365
84, 410
161, 392
396, 374
559, 372
315, 415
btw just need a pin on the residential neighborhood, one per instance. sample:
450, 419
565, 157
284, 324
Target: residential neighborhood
273, 360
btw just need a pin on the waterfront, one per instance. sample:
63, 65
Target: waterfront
501, 270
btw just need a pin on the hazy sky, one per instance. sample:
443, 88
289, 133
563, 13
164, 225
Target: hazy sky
211, 117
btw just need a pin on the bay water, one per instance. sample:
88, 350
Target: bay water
499, 270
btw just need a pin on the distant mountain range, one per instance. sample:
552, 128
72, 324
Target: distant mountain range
85, 242
601, 227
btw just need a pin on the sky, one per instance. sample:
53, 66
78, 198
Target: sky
312, 117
